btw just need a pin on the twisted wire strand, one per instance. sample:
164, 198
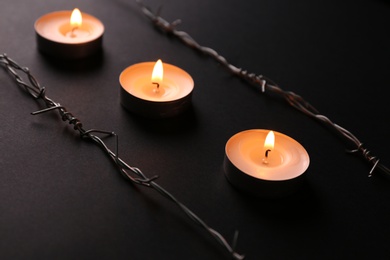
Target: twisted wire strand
265, 84
133, 174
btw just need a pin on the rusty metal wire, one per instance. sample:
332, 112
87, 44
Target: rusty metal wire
265, 85
132, 174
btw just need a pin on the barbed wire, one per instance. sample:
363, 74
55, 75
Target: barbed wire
130, 173
265, 85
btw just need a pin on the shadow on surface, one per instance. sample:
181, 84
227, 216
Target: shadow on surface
86, 64
184, 122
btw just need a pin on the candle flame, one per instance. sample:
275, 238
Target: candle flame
76, 19
269, 141
158, 72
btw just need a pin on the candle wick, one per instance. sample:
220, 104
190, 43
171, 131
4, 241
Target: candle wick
155, 83
72, 34
265, 161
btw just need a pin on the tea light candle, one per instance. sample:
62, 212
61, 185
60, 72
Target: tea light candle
264, 162
69, 35
156, 90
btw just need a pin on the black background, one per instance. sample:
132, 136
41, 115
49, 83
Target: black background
61, 198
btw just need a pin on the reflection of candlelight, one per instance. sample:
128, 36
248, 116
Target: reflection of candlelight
268, 145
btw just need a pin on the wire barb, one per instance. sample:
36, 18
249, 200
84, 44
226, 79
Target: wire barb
130, 173
264, 83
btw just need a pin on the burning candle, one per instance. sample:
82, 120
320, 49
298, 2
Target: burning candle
69, 35
156, 90
265, 163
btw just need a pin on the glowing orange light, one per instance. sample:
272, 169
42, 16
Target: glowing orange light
158, 72
269, 141
76, 19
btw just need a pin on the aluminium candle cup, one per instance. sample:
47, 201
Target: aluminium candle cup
244, 167
53, 35
136, 93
